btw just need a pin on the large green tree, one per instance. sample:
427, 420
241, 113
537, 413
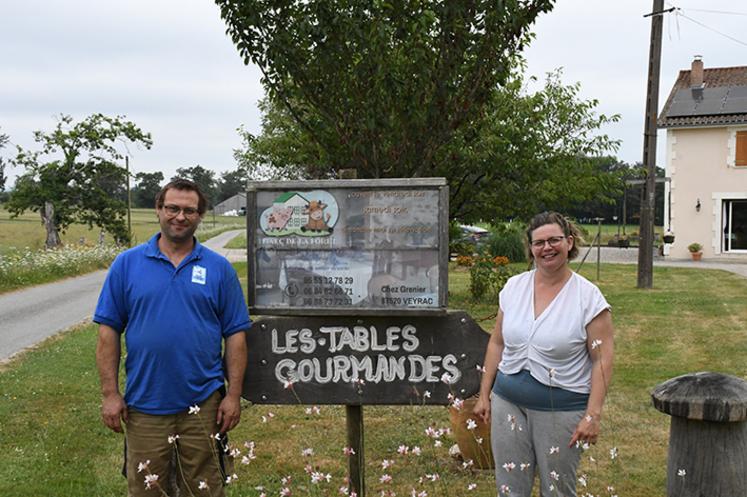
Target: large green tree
231, 183
530, 150
75, 177
3, 178
147, 186
381, 86
205, 179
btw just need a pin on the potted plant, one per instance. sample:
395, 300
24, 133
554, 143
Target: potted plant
696, 250
668, 237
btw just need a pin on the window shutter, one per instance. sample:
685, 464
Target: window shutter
741, 158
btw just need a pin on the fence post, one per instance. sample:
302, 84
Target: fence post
708, 434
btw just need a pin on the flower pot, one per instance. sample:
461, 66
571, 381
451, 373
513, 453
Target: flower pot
696, 255
668, 238
473, 444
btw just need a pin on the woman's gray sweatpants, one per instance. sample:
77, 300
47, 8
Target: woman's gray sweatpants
527, 442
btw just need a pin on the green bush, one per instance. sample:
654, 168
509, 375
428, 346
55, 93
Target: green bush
487, 276
507, 240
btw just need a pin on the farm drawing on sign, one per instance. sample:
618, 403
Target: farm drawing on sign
313, 213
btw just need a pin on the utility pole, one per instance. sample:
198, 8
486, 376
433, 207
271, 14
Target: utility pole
646, 231
129, 199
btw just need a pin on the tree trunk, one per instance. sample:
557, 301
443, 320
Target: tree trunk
53, 236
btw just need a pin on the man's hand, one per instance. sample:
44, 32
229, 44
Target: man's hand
113, 411
229, 413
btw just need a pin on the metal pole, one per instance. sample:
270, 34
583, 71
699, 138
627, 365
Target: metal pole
599, 243
129, 199
646, 230
356, 476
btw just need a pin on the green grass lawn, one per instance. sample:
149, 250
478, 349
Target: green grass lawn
53, 443
27, 231
23, 262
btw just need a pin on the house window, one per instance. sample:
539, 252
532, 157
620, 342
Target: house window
741, 155
735, 225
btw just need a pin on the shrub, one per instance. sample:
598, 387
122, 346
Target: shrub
507, 240
487, 277
464, 260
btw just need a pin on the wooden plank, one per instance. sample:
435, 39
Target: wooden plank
355, 360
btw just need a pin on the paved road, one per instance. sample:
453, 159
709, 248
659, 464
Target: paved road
30, 315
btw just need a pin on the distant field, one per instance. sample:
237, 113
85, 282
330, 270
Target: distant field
28, 231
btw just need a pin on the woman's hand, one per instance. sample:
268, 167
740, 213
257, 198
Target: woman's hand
482, 408
587, 430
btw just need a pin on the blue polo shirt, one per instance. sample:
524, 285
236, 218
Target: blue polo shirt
174, 321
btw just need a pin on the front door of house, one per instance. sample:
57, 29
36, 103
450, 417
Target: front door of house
735, 226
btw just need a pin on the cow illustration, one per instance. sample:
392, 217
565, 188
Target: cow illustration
317, 218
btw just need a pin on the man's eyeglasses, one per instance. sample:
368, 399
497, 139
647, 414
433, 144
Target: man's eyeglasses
554, 241
174, 210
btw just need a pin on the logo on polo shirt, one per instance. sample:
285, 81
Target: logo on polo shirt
199, 274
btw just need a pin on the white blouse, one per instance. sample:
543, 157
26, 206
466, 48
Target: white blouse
553, 346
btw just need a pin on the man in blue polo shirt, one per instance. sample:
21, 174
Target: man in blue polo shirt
176, 302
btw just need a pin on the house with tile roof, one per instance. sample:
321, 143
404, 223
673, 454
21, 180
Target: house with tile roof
706, 160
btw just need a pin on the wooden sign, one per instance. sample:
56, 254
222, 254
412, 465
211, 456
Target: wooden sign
364, 360
348, 247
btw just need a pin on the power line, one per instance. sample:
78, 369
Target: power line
719, 12
679, 13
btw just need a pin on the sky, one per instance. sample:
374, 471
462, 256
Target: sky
168, 66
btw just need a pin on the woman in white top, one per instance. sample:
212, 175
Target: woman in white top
548, 365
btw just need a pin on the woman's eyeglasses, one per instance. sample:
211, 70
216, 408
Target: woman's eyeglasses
554, 241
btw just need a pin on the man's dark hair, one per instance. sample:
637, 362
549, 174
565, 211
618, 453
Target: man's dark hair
568, 227
183, 184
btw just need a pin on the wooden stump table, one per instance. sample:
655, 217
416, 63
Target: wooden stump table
708, 434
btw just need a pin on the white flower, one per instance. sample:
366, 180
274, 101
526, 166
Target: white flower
348, 451
427, 394
447, 378
595, 344
468, 463
387, 463
385, 478
582, 480
554, 475
141, 466
194, 409
457, 403
613, 452
437, 443
471, 486
416, 450
287, 384
471, 425
505, 489
681, 472
509, 466
433, 477
285, 492
554, 450
307, 452
150, 480
203, 485
524, 465
215, 436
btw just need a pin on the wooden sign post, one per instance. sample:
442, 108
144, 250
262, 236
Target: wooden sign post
352, 276
356, 361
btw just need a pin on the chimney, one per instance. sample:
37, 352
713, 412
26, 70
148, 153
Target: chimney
696, 72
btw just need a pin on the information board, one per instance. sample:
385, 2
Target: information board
348, 247
364, 360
